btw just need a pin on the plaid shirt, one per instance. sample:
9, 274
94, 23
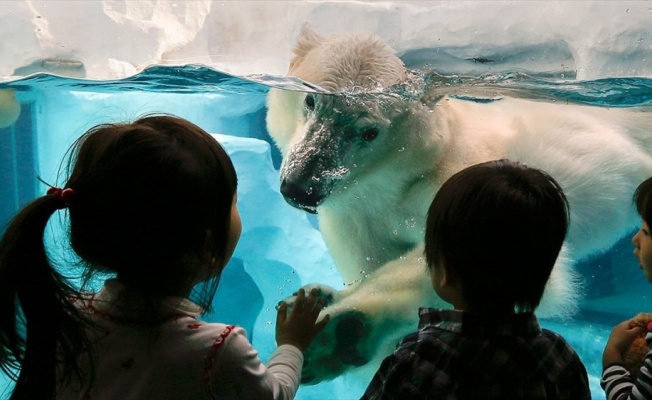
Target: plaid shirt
459, 355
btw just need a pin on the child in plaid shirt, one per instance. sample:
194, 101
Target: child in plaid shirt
493, 234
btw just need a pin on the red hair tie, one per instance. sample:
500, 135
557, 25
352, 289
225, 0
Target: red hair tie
65, 195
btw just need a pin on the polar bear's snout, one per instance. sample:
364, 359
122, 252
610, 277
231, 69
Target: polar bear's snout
302, 185
300, 196
313, 167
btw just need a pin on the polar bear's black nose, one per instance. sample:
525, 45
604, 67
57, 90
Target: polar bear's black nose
303, 198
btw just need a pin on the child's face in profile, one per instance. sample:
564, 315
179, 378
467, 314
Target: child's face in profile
210, 269
643, 250
235, 230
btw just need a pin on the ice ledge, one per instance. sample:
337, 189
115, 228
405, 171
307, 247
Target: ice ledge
115, 39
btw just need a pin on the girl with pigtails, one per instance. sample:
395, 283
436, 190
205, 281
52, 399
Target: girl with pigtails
152, 203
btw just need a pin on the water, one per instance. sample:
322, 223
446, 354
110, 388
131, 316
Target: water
281, 248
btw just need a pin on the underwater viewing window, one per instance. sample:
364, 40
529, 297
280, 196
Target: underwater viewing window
68, 66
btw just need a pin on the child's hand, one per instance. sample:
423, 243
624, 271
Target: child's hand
299, 328
621, 339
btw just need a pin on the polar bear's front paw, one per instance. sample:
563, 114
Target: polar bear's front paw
324, 292
337, 348
349, 330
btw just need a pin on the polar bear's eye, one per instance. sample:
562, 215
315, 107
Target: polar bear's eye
310, 102
370, 134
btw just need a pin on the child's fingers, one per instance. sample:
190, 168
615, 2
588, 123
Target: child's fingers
298, 304
300, 299
281, 313
316, 309
627, 327
312, 295
322, 324
637, 330
307, 307
631, 324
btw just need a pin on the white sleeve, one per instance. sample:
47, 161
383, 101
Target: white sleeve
239, 373
286, 364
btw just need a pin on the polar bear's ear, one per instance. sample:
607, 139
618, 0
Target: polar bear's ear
307, 40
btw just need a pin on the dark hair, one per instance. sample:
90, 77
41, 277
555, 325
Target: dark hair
146, 194
642, 200
499, 226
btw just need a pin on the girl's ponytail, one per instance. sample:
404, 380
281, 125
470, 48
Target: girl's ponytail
123, 220
39, 325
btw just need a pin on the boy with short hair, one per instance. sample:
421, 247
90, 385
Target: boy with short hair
493, 234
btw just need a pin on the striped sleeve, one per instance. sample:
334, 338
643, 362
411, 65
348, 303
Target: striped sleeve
618, 384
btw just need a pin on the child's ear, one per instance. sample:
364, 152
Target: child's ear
448, 277
444, 282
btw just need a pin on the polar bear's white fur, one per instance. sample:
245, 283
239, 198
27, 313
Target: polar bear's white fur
369, 164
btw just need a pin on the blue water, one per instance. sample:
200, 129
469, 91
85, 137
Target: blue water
281, 248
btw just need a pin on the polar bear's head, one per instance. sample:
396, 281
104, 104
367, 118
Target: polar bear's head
329, 140
345, 62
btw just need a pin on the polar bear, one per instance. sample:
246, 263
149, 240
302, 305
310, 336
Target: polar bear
368, 161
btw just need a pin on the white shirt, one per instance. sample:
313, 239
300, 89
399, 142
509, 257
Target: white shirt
178, 357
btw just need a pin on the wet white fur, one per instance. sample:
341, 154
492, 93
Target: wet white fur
598, 155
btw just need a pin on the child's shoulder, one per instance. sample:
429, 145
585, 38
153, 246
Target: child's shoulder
551, 336
426, 337
554, 345
191, 327
193, 335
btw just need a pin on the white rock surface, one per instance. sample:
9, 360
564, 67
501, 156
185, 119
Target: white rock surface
113, 39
